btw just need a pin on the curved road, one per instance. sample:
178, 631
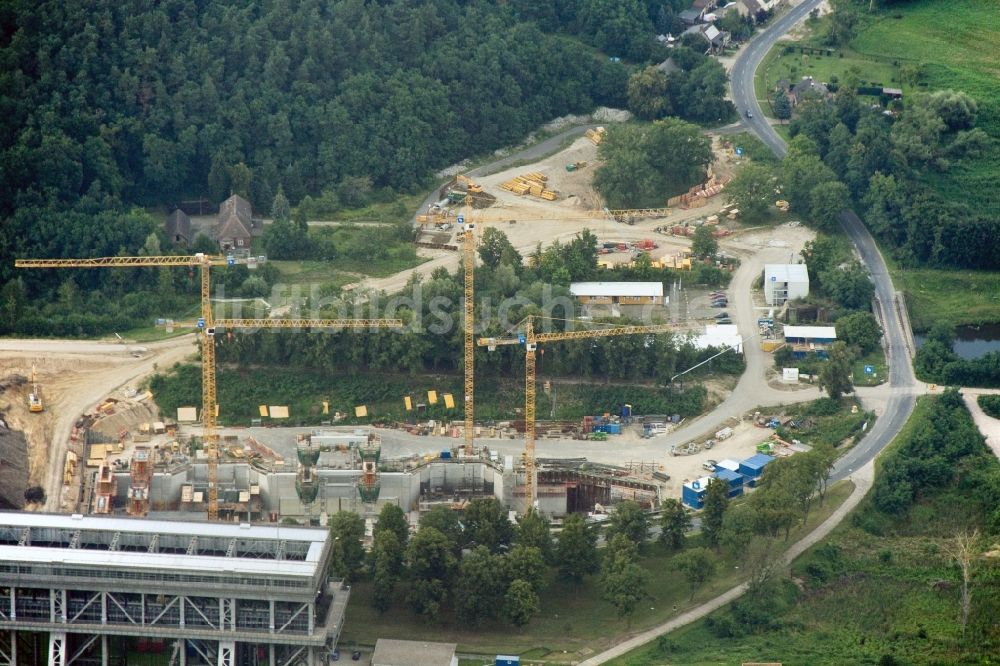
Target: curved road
858, 462
901, 379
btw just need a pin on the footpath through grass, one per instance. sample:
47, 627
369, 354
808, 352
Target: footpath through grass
881, 589
575, 621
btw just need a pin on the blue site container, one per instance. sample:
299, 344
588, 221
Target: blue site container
445, 455
627, 411
693, 494
733, 479
507, 660
613, 428
754, 466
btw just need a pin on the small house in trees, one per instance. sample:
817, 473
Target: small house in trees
806, 88
178, 227
236, 226
691, 16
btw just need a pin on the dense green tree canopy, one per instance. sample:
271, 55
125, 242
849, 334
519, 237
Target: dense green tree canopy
644, 165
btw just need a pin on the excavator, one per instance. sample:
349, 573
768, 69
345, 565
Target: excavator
35, 397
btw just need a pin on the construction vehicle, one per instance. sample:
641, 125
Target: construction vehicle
35, 397
782, 205
596, 135
469, 184
207, 327
575, 166
530, 340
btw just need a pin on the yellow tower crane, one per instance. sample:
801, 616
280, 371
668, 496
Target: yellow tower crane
530, 339
469, 321
202, 261
207, 326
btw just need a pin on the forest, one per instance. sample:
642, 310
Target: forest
112, 108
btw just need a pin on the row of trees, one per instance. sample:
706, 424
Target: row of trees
889, 164
119, 104
506, 289
644, 165
480, 565
929, 457
695, 90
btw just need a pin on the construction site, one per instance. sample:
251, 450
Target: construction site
117, 454
95, 443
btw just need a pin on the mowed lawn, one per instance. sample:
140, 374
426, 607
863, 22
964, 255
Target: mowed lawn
958, 46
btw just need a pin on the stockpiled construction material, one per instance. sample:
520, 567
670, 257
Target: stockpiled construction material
532, 183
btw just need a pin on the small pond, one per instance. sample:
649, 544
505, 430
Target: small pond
972, 341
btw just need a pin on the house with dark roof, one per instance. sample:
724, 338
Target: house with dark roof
751, 8
178, 227
691, 16
806, 88
235, 228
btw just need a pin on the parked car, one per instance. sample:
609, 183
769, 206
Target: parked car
709, 465
720, 304
722, 315
335, 655
356, 655
727, 320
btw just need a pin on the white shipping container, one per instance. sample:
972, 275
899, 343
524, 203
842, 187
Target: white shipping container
725, 433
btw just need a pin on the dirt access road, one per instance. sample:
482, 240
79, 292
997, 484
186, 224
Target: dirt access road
74, 376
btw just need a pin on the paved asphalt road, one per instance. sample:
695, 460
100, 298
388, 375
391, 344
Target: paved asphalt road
857, 462
745, 66
900, 371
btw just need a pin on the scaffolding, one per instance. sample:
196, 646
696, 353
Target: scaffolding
141, 472
218, 594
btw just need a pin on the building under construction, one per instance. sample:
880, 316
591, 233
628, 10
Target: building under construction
93, 590
335, 470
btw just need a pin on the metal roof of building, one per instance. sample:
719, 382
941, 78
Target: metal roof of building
811, 332
719, 335
616, 289
786, 273
702, 483
391, 652
158, 545
729, 464
727, 475
135, 561
757, 461
184, 528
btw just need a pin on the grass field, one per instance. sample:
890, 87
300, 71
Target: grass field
779, 65
956, 297
242, 390
876, 360
579, 622
858, 598
956, 44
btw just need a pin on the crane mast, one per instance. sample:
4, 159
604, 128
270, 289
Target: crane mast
207, 325
530, 340
469, 260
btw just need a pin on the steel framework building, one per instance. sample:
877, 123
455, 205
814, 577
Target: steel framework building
222, 594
